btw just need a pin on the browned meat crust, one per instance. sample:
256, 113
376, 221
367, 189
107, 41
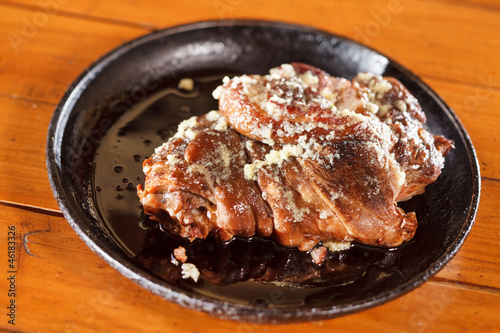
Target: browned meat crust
198, 179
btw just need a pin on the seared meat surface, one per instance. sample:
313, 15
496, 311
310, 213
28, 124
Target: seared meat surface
197, 178
299, 156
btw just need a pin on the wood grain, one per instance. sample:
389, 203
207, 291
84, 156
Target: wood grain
66, 282
29, 63
491, 5
477, 261
437, 39
477, 108
64, 287
22, 153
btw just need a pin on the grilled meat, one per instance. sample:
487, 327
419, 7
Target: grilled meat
299, 156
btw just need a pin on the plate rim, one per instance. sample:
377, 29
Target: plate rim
214, 306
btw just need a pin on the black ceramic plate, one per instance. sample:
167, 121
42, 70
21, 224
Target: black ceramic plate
127, 103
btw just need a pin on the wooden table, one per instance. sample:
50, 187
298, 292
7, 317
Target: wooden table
62, 286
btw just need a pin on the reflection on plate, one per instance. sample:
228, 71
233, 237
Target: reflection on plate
126, 104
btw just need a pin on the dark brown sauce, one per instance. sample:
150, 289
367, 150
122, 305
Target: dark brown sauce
246, 271
133, 138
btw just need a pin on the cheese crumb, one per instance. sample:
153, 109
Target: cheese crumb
298, 213
287, 71
384, 109
173, 159
337, 246
184, 130
380, 87
373, 108
217, 92
273, 157
186, 84
365, 77
325, 214
221, 124
309, 79
225, 155
401, 105
213, 115
190, 271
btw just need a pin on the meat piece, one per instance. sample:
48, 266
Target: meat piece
197, 178
180, 254
318, 254
420, 154
292, 104
300, 102
306, 158
343, 192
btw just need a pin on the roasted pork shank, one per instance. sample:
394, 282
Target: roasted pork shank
298, 156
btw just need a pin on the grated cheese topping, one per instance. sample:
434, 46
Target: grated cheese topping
186, 84
273, 157
190, 271
334, 246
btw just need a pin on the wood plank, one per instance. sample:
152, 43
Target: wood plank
436, 39
477, 107
491, 5
61, 279
477, 261
43, 53
22, 153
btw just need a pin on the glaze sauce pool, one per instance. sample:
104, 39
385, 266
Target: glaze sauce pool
133, 138
246, 271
